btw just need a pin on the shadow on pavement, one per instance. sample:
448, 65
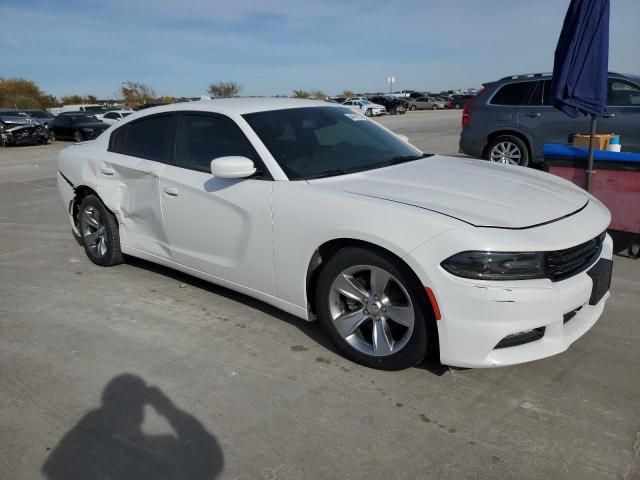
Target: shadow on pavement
108, 443
313, 330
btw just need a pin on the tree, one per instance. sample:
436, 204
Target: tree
301, 94
21, 93
135, 93
92, 99
318, 94
348, 94
224, 89
72, 100
167, 99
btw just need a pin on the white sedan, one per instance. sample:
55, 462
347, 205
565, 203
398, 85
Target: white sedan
364, 106
114, 116
327, 215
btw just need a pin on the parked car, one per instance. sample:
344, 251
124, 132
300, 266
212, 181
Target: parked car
393, 105
96, 110
511, 120
114, 116
41, 116
18, 129
362, 105
459, 101
329, 215
78, 126
425, 103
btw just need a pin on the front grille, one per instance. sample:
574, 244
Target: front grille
565, 263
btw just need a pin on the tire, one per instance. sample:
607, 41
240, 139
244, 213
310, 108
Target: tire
634, 250
435, 107
77, 136
502, 149
457, 106
413, 108
100, 234
351, 270
368, 113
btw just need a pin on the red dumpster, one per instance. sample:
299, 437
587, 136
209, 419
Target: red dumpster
616, 183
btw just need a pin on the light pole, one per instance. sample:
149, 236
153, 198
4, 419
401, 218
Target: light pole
391, 81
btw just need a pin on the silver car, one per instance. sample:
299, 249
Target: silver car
425, 103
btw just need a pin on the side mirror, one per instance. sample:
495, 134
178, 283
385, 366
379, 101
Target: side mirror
404, 138
232, 167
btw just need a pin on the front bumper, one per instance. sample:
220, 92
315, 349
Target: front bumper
477, 315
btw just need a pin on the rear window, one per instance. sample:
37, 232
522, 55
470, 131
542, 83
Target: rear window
513, 94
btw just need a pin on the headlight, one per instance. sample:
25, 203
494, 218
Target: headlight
497, 265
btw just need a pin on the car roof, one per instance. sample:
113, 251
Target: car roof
240, 106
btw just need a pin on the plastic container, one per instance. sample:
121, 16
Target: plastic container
614, 144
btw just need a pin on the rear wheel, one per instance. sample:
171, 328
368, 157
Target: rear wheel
457, 106
634, 250
99, 230
508, 149
413, 108
371, 309
435, 107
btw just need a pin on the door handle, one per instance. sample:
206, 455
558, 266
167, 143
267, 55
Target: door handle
171, 191
533, 114
107, 171
608, 115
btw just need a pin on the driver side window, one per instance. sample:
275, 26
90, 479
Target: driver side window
205, 137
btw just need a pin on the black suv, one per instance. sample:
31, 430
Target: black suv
511, 119
392, 104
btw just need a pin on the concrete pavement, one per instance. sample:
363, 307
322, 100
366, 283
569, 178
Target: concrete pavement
224, 386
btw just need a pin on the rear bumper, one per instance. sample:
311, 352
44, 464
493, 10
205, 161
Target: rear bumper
67, 195
472, 144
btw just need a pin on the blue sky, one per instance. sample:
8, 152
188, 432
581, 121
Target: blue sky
272, 47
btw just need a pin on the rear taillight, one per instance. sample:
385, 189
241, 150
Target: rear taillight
466, 111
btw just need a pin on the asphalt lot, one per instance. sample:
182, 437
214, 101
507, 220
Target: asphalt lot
243, 391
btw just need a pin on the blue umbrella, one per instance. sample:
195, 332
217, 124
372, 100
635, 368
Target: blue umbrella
581, 64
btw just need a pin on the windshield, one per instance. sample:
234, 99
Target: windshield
315, 142
96, 109
365, 102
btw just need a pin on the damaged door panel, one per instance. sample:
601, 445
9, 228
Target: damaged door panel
130, 187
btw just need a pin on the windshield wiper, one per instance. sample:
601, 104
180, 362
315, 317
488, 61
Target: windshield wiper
328, 173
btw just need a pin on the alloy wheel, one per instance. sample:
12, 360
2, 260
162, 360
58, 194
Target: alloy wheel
94, 232
371, 310
506, 152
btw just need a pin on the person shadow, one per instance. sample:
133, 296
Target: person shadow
108, 443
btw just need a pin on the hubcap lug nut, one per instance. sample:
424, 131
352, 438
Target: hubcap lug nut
384, 309
366, 312
365, 300
377, 318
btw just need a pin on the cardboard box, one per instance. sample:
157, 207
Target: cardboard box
600, 140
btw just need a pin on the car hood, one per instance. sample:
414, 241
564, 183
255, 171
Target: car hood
473, 191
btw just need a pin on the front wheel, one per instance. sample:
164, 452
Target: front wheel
508, 149
371, 309
77, 136
413, 108
368, 112
435, 107
99, 230
634, 250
